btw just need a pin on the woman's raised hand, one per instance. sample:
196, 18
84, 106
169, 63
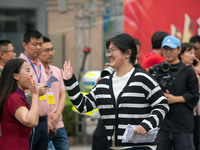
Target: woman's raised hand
32, 86
67, 70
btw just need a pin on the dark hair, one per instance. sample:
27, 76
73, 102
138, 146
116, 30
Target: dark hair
195, 39
31, 34
124, 42
46, 39
157, 38
7, 81
184, 48
3, 44
137, 42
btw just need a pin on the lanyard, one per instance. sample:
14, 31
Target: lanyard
23, 96
34, 69
50, 76
153, 52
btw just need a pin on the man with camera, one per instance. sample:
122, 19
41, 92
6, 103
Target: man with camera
180, 86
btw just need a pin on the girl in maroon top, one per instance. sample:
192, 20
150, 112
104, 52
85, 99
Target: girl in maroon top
16, 116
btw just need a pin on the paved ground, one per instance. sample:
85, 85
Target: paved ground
80, 147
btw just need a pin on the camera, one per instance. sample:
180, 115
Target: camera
195, 62
163, 74
107, 72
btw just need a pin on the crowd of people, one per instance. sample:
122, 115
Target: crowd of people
31, 112
162, 92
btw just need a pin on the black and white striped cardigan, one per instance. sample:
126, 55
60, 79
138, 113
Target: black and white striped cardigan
140, 102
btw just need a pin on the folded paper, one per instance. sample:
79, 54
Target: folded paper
131, 137
51, 79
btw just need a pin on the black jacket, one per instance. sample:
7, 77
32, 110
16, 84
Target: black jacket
184, 83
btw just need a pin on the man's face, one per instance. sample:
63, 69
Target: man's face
9, 53
33, 47
197, 49
171, 55
47, 53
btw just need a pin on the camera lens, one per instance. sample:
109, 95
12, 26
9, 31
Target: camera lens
165, 67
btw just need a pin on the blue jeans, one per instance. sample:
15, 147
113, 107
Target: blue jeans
60, 141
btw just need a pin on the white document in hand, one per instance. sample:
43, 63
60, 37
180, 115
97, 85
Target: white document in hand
51, 79
131, 137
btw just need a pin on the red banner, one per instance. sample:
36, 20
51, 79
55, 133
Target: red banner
177, 17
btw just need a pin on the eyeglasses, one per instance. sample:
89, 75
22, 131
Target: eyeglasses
110, 51
12, 51
47, 50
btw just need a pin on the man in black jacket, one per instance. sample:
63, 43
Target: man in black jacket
180, 86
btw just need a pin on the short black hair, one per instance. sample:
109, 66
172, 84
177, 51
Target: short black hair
3, 44
184, 48
137, 42
46, 39
31, 34
195, 39
157, 38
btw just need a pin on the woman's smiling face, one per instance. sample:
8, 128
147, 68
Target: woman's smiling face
115, 56
23, 76
188, 56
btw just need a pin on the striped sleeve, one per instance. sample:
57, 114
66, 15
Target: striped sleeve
83, 103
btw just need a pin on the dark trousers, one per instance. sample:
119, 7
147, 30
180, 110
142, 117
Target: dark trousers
138, 148
40, 139
99, 141
196, 132
178, 141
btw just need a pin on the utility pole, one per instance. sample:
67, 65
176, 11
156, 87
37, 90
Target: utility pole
85, 15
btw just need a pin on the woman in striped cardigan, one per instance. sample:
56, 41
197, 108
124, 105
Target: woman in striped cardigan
128, 96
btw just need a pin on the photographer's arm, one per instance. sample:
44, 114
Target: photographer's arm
174, 99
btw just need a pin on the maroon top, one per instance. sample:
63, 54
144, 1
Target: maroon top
15, 135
